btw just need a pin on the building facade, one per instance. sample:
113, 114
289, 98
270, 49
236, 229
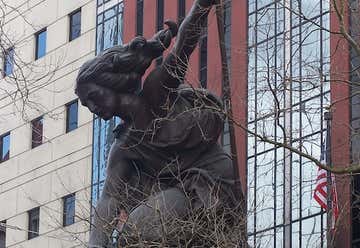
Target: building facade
286, 70
46, 136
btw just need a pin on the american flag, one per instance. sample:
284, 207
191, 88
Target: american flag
320, 193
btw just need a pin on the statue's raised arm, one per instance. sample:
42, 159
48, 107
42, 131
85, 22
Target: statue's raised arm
188, 37
174, 67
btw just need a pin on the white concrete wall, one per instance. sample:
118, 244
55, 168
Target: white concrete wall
40, 177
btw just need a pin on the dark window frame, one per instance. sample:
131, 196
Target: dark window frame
38, 133
101, 2
37, 35
203, 57
160, 13
203, 64
2, 147
181, 11
3, 230
68, 106
71, 15
139, 17
10, 51
71, 200
33, 215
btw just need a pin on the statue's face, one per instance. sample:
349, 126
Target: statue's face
99, 100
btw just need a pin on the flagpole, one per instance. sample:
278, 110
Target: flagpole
328, 118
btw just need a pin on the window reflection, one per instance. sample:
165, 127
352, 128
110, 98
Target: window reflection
5, 147
40, 44
9, 61
109, 28
109, 33
274, 63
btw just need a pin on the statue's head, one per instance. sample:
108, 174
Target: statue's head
120, 68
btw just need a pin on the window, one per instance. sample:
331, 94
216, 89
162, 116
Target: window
109, 20
69, 210
34, 220
160, 15
203, 57
203, 62
75, 25
139, 17
109, 28
37, 132
225, 140
100, 2
181, 10
5, 147
40, 44
71, 116
160, 23
3, 234
9, 61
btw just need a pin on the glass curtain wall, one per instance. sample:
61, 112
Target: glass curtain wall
288, 91
109, 33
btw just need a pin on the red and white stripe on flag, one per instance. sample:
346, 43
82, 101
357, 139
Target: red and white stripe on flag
320, 194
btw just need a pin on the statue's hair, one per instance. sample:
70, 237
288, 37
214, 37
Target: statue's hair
120, 68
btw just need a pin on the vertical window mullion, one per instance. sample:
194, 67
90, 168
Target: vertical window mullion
139, 17
181, 10
159, 23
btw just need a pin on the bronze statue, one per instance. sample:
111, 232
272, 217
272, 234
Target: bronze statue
168, 138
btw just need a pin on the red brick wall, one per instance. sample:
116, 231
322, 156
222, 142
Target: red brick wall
340, 152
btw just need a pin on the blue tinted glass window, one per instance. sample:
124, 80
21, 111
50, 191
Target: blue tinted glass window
110, 33
71, 116
40, 44
75, 25
69, 210
5, 147
110, 13
119, 30
109, 28
9, 62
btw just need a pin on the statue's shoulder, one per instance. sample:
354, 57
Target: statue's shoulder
189, 91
